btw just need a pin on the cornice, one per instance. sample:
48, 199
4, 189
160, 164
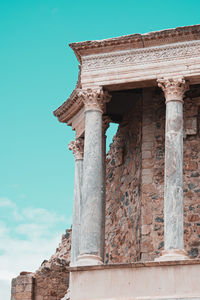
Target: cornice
72, 105
162, 37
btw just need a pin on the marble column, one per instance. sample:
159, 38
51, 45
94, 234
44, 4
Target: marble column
91, 208
174, 90
77, 148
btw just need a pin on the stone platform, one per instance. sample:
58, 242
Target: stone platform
137, 281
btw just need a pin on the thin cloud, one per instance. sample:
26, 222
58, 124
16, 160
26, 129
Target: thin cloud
32, 237
6, 202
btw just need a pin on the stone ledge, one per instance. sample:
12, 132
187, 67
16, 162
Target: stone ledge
139, 281
136, 265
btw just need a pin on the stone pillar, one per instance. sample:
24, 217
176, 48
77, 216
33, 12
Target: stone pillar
91, 208
22, 287
77, 148
174, 90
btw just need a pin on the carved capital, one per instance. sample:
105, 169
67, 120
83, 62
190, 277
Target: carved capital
105, 123
173, 88
77, 147
94, 99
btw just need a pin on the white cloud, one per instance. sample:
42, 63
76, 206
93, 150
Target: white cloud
24, 244
6, 202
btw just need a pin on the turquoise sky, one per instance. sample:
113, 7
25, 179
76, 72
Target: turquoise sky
38, 71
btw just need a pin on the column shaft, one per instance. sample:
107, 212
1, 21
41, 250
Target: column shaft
173, 193
77, 148
174, 90
91, 209
93, 206
75, 247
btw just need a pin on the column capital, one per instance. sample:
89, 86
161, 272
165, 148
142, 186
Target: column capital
94, 99
173, 88
105, 123
77, 147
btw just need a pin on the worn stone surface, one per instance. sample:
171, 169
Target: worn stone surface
91, 208
151, 180
123, 205
75, 251
191, 180
22, 286
173, 183
52, 278
152, 183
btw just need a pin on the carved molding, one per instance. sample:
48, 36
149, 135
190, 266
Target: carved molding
173, 88
77, 147
94, 99
141, 56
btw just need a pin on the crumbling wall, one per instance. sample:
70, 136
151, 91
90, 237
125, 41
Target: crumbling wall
52, 278
22, 286
50, 281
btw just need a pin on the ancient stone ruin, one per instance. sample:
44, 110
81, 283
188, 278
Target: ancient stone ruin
136, 216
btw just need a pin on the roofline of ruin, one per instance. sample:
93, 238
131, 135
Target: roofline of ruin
136, 40
73, 104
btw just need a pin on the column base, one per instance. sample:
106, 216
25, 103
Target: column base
88, 260
172, 254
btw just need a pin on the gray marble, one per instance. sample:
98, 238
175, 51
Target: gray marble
75, 248
91, 206
173, 193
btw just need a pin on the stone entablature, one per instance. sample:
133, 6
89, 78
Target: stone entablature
130, 62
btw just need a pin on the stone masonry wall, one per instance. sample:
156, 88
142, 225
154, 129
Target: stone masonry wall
22, 287
146, 170
123, 204
191, 176
152, 185
52, 278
